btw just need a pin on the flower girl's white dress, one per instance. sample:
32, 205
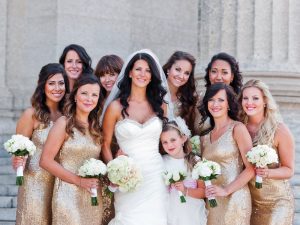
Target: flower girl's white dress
147, 205
193, 211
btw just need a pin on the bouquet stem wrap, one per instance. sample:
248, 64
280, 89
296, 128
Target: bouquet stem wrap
20, 177
258, 182
212, 201
94, 200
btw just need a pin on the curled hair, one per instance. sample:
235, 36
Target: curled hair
190, 157
232, 104
38, 99
272, 117
155, 91
84, 57
70, 110
108, 64
186, 93
237, 81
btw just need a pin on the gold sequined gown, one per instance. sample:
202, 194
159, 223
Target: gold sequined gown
234, 209
273, 204
72, 204
35, 195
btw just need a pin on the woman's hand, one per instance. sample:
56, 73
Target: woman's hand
179, 186
120, 152
214, 190
88, 183
262, 172
18, 161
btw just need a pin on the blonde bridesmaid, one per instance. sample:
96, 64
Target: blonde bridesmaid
35, 195
226, 142
74, 138
274, 202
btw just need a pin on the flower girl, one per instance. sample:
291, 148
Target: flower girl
180, 160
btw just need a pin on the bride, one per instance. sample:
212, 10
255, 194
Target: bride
135, 111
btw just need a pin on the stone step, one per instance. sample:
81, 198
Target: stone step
8, 190
295, 181
296, 219
7, 179
8, 201
296, 191
6, 169
297, 205
3, 153
5, 161
8, 214
7, 223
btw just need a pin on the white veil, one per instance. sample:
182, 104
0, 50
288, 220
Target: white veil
115, 90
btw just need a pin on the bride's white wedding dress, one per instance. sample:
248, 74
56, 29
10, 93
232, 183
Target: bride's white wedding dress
147, 205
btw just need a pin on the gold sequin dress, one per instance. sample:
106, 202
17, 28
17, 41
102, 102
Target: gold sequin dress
35, 195
273, 204
234, 209
72, 204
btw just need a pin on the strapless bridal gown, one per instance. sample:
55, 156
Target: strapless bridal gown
147, 205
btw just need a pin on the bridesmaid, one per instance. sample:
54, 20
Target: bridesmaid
35, 195
76, 62
226, 142
180, 69
72, 140
274, 203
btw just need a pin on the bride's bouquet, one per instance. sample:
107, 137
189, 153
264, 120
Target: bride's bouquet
261, 156
195, 142
123, 172
173, 177
207, 170
19, 145
92, 168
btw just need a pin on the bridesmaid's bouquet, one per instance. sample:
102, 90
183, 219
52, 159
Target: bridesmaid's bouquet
261, 156
173, 177
195, 142
207, 170
123, 172
19, 145
92, 168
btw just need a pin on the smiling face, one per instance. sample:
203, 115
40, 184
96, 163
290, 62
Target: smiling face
73, 65
108, 80
140, 74
87, 97
179, 73
253, 102
55, 88
218, 104
172, 143
220, 72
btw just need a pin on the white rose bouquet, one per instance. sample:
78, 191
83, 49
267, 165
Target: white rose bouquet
20, 145
123, 172
173, 177
92, 168
207, 170
261, 156
195, 142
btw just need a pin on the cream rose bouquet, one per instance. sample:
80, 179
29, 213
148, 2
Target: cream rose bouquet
92, 168
207, 170
19, 145
195, 142
123, 172
173, 177
261, 156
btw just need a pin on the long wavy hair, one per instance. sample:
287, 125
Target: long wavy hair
237, 81
84, 57
38, 99
190, 157
186, 93
232, 100
272, 116
70, 110
155, 91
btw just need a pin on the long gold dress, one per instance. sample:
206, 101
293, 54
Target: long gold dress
234, 209
274, 203
35, 195
72, 204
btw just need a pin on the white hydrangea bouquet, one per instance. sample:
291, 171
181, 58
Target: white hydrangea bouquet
195, 142
92, 168
173, 177
261, 156
207, 170
20, 145
123, 172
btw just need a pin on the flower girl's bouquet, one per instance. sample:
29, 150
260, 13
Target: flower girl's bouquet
19, 145
92, 168
195, 142
261, 156
123, 172
207, 170
173, 177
